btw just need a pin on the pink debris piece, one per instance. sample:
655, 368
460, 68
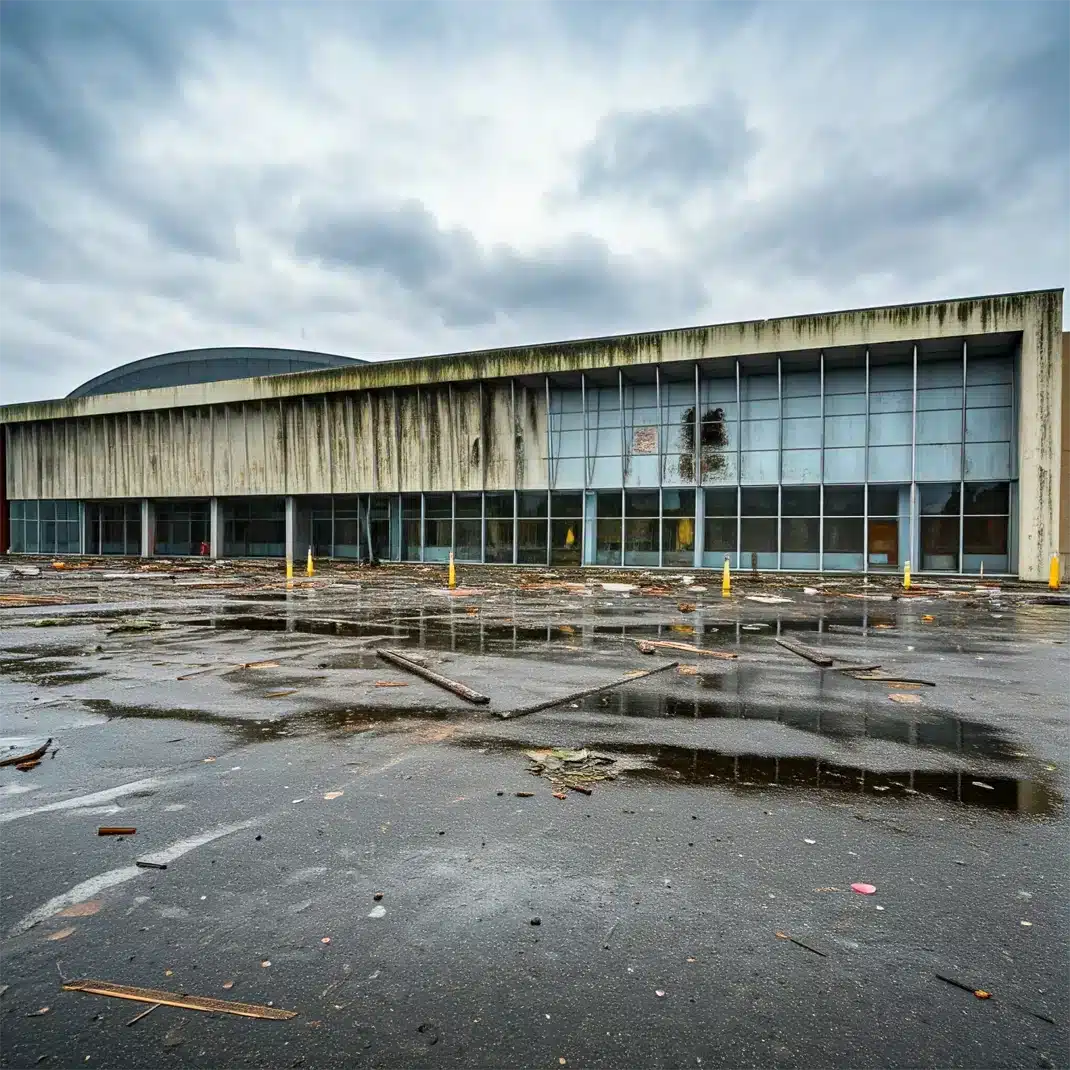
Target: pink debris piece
863, 889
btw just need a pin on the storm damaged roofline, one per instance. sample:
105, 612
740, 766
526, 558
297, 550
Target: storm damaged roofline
885, 323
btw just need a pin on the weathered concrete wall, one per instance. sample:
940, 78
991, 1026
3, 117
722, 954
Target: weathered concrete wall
461, 437
893, 323
1064, 491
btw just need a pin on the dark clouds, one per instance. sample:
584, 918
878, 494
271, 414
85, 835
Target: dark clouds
388, 179
667, 153
577, 279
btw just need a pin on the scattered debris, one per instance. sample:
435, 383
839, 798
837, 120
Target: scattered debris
550, 703
116, 830
865, 673
863, 889
687, 670
178, 999
619, 588
912, 700
31, 756
822, 660
686, 607
136, 626
25, 767
799, 943
524, 794
82, 910
573, 769
433, 677
61, 934
37, 1013
649, 646
768, 599
390, 683
377, 896
333, 795
144, 1014
142, 864
281, 694
377, 911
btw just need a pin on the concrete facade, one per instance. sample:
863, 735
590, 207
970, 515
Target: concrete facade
951, 413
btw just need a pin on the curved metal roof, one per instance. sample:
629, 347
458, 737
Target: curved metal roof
211, 365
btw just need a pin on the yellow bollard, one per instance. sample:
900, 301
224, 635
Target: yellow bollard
1053, 573
906, 576
289, 568
309, 570
726, 580
452, 582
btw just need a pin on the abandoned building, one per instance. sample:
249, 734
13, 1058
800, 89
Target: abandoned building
934, 434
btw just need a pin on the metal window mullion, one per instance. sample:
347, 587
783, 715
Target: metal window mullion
586, 442
657, 391
550, 528
661, 528
549, 440
698, 434
915, 526
516, 527
739, 466
780, 462
623, 451
423, 525
821, 491
865, 484
962, 469
623, 513
482, 527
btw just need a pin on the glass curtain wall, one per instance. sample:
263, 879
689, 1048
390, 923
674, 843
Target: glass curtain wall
721, 528
254, 527
758, 542
800, 527
438, 526
678, 528
182, 528
112, 528
566, 528
641, 535
46, 527
609, 527
986, 527
532, 527
468, 527
499, 521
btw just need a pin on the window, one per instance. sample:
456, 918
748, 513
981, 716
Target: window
254, 527
844, 528
800, 527
985, 527
566, 528
182, 528
382, 510
608, 527
532, 510
438, 526
641, 528
410, 527
499, 512
678, 527
111, 527
720, 526
469, 527
46, 527
758, 527
348, 531
938, 505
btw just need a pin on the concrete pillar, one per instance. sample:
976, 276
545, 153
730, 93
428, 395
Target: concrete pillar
148, 528
1041, 411
700, 527
215, 527
291, 527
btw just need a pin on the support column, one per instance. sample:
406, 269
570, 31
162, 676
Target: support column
291, 527
215, 527
148, 528
700, 527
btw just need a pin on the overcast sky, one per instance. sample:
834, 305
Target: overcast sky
395, 179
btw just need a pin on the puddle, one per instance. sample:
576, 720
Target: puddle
46, 671
856, 719
758, 772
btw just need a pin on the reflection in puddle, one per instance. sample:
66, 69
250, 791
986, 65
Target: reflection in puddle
683, 765
862, 716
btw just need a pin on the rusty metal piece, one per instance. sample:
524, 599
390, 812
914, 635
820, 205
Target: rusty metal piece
31, 756
116, 830
178, 999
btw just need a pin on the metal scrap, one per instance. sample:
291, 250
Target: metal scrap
178, 999
31, 756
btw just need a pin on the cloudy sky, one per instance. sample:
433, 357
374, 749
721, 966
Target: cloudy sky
394, 179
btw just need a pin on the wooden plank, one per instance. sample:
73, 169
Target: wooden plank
823, 660
648, 646
178, 999
461, 690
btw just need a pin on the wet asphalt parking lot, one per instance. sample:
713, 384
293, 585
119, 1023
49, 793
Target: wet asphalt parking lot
693, 911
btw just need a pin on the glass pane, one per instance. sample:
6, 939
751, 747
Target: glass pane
533, 503
844, 501
500, 537
608, 541
678, 541
641, 503
48, 536
721, 502
46, 511
679, 502
720, 535
438, 535
410, 533
566, 505
438, 506
531, 540
759, 535
801, 501
759, 501
609, 503
843, 536
985, 535
883, 543
939, 499
469, 541
987, 498
499, 505
567, 545
641, 541
883, 501
940, 542
469, 506
800, 534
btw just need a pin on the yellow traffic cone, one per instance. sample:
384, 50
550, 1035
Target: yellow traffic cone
906, 576
309, 570
1053, 573
452, 581
726, 580
289, 572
